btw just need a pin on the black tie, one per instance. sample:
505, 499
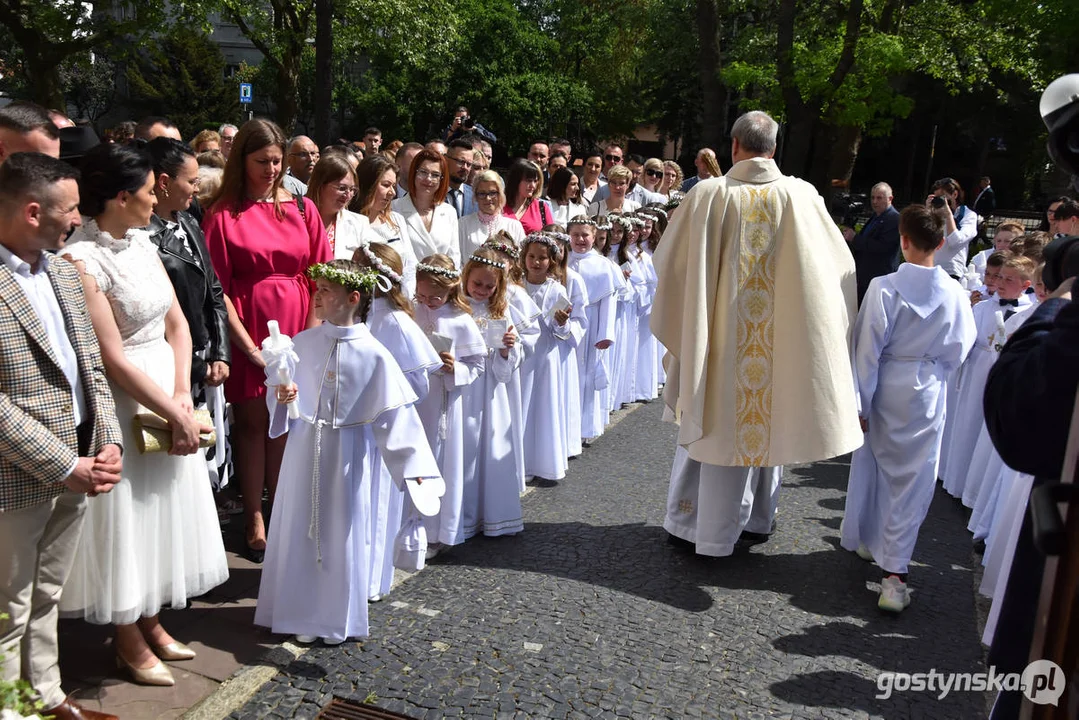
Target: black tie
456, 195
1013, 303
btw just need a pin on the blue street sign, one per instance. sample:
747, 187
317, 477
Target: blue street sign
245, 93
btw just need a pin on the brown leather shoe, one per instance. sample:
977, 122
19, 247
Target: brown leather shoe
71, 710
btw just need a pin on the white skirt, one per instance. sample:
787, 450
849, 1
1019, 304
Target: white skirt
153, 541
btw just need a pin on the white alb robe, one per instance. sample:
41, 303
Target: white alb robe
914, 327
492, 493
648, 359
442, 414
525, 318
593, 364
356, 414
396, 235
968, 418
416, 357
543, 391
571, 373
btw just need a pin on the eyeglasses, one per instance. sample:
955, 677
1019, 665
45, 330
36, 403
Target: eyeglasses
487, 195
613, 158
424, 175
654, 173
306, 155
345, 189
461, 161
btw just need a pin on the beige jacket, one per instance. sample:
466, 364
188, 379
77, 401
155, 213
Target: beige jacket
755, 305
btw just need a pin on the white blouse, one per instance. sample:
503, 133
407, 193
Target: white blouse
443, 237
474, 233
397, 238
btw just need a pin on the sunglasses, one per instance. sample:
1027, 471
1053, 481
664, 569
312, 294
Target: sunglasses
654, 173
613, 158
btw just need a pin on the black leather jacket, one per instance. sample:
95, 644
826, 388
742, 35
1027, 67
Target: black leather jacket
197, 290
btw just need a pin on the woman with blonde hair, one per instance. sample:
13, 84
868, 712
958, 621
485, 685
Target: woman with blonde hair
618, 179
206, 141
672, 178
475, 228
332, 186
652, 175
261, 240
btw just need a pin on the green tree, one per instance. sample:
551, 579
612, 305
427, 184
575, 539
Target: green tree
43, 35
182, 75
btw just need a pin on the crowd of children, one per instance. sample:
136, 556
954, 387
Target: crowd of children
416, 424
922, 351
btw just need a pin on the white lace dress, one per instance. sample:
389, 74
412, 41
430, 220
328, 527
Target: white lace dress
154, 540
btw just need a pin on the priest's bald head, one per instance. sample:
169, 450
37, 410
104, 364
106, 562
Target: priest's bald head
753, 135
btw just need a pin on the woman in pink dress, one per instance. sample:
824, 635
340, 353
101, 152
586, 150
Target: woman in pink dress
261, 241
524, 186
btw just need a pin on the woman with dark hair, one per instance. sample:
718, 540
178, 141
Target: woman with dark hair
960, 225
182, 249
153, 541
332, 186
565, 192
377, 189
591, 181
261, 240
524, 186
432, 223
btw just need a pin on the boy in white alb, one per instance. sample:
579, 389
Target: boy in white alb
914, 328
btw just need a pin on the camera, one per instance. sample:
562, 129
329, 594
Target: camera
468, 122
938, 202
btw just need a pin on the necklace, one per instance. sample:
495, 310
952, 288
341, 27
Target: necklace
488, 221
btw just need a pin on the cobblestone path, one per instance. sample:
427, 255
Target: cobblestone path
591, 613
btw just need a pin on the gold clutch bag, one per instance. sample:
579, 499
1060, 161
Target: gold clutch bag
152, 432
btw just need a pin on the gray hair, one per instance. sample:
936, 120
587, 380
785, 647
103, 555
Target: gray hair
756, 132
882, 185
227, 126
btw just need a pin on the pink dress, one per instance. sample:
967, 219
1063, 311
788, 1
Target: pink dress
532, 220
261, 262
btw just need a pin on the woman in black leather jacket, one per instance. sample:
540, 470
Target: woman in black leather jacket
182, 249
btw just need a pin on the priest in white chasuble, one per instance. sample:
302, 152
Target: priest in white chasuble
755, 305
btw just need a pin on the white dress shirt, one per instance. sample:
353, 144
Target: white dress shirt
42, 297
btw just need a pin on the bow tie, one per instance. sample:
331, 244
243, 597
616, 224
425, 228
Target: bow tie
1013, 303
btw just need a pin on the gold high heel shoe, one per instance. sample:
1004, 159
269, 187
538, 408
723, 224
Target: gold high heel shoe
158, 674
174, 651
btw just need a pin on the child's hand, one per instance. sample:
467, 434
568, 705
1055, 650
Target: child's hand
561, 316
447, 362
603, 344
287, 393
509, 339
976, 297
864, 423
626, 274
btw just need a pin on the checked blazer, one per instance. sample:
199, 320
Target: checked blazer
38, 443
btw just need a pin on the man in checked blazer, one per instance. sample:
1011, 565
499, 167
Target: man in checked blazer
59, 438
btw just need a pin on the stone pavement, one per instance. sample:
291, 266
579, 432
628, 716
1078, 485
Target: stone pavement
591, 613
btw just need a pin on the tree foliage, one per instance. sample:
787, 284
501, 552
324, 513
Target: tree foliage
182, 76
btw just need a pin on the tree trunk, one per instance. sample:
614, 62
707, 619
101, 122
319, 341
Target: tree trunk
288, 80
46, 88
713, 92
802, 127
323, 71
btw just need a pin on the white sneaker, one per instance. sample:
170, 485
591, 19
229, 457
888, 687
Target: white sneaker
894, 594
306, 639
863, 553
331, 642
432, 551
375, 598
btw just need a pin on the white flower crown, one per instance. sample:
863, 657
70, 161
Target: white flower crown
485, 261
380, 265
435, 270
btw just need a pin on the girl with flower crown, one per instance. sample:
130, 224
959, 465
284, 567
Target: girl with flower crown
601, 282
356, 416
492, 495
628, 278
444, 314
647, 384
391, 322
542, 379
524, 315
